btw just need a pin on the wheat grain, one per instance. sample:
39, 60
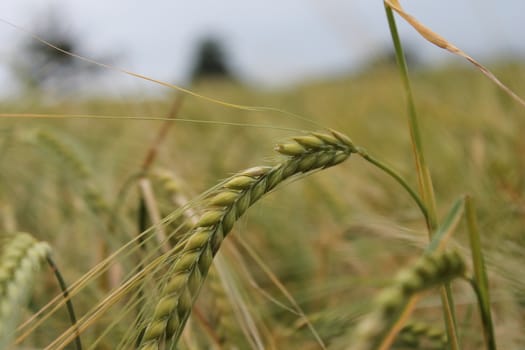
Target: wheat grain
224, 206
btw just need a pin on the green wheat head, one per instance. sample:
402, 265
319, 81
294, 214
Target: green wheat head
224, 206
20, 259
428, 272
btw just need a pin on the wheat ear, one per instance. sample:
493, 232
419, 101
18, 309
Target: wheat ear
429, 271
225, 205
20, 259
415, 333
92, 195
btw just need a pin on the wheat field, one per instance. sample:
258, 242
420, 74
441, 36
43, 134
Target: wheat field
203, 221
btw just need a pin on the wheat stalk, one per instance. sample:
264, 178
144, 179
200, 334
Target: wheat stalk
21, 257
225, 205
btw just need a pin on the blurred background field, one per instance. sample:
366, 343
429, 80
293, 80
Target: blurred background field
332, 239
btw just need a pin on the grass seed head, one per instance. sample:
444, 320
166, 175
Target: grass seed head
227, 203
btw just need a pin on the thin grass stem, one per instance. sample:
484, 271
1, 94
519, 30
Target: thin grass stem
423, 174
424, 180
480, 282
387, 169
69, 304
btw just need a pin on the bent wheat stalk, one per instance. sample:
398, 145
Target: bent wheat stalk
224, 206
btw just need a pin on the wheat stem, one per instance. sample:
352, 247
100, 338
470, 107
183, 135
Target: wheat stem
480, 281
387, 169
67, 298
423, 174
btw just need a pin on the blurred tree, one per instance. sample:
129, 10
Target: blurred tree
387, 57
39, 66
211, 61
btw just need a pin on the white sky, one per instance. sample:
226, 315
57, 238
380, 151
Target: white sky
271, 42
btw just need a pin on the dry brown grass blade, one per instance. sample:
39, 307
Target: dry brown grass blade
405, 315
151, 154
154, 213
145, 185
443, 43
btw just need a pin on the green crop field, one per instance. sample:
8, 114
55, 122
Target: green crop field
206, 221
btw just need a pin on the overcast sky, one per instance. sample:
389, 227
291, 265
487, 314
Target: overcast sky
270, 42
